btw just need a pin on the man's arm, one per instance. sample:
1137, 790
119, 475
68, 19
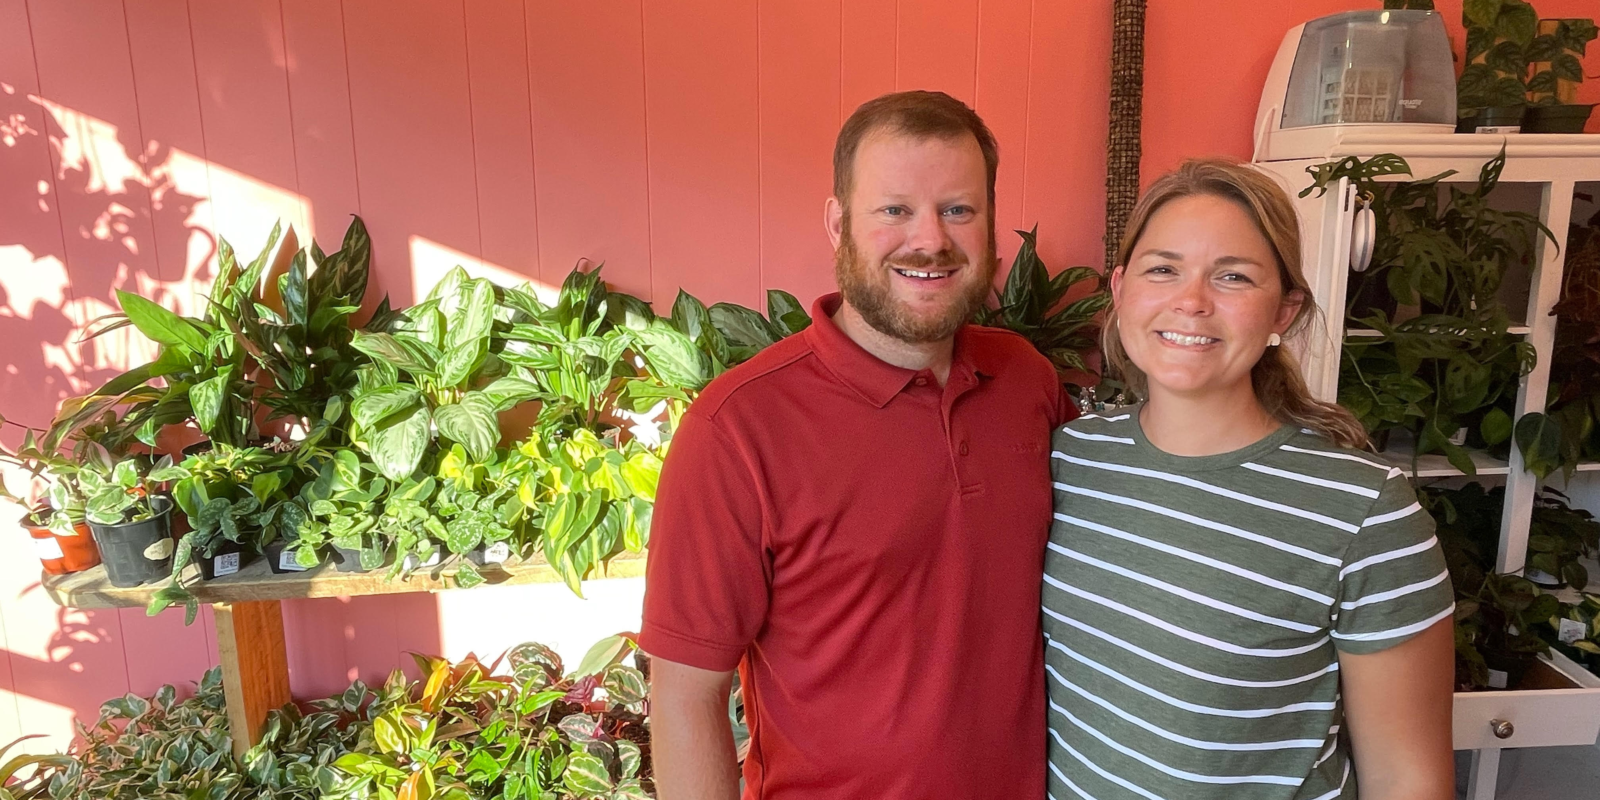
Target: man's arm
1397, 708
691, 739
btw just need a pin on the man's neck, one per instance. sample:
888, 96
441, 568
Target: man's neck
1205, 425
932, 356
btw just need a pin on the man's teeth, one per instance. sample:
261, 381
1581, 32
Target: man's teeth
912, 273
1185, 339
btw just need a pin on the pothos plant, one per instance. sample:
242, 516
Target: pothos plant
62, 507
1442, 250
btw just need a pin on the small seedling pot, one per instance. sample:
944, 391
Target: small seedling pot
1556, 118
1502, 119
281, 560
227, 560
63, 554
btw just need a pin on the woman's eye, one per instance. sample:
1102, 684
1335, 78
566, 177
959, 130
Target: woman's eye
1237, 277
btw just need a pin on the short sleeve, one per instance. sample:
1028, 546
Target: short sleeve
706, 583
1393, 583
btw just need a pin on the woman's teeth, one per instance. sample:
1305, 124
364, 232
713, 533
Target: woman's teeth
1184, 339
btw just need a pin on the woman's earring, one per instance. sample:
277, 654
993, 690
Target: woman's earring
1274, 340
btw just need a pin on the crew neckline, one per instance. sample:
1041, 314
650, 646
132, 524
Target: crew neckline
1215, 461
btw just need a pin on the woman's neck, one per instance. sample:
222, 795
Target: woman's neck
1204, 425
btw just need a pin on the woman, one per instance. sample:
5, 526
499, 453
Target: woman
1238, 601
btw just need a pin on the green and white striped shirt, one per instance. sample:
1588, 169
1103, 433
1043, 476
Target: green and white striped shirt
1195, 609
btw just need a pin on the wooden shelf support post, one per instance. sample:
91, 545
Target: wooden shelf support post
255, 666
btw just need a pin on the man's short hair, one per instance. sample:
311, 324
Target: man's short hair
918, 114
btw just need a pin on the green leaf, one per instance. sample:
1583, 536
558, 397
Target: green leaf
1481, 13
292, 287
602, 655
472, 423
624, 684
690, 316
673, 358
629, 759
397, 446
474, 315
742, 326
370, 408
509, 390
1538, 436
1567, 67
1495, 427
457, 364
786, 313
160, 325
586, 775
209, 397
1517, 21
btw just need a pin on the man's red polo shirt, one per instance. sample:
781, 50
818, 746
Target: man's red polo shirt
867, 546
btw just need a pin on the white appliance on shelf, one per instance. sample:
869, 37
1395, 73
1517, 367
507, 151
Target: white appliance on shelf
1360, 72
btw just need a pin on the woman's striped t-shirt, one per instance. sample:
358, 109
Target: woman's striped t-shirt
1195, 608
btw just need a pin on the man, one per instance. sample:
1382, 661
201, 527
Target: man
856, 517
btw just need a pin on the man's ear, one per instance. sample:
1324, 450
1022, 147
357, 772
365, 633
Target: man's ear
833, 220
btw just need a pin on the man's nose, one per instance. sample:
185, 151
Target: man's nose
928, 234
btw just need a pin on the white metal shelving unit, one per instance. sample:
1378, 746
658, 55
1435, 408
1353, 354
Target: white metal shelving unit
1556, 164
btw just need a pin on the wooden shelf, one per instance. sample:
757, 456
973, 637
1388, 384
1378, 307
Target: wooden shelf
1356, 333
1435, 465
256, 582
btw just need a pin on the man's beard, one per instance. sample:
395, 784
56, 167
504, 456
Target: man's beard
868, 291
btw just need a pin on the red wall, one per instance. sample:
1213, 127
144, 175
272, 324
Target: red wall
686, 144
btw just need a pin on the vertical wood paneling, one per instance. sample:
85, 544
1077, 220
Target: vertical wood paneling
868, 52
502, 135
319, 110
1004, 32
314, 635
244, 102
938, 47
173, 146
162, 649
799, 82
1064, 191
586, 80
413, 131
700, 101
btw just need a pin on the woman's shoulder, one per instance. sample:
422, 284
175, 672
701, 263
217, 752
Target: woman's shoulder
1311, 454
1114, 425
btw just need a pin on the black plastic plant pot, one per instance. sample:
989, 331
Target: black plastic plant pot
348, 560
137, 552
281, 560
1514, 665
227, 560
1504, 119
1556, 118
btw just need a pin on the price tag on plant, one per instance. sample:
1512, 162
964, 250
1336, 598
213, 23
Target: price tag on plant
226, 564
497, 553
1497, 679
47, 548
1572, 631
287, 563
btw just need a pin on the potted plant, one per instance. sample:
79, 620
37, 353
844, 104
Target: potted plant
1568, 432
57, 525
131, 521
1559, 535
1442, 362
1493, 88
1034, 304
1556, 57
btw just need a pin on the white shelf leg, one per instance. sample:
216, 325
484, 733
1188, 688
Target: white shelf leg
1555, 210
1485, 775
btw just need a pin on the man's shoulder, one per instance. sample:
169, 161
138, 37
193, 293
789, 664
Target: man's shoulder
1007, 353
765, 369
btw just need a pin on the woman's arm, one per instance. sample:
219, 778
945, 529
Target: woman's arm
1397, 709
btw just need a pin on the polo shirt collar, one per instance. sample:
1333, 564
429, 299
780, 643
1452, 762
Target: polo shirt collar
876, 380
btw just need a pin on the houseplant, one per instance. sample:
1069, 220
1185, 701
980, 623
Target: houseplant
1559, 535
1448, 373
1034, 304
1568, 432
57, 525
131, 520
1556, 58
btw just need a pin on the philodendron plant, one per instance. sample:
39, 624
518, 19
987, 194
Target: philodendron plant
123, 491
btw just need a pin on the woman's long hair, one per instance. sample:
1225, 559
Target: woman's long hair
1276, 377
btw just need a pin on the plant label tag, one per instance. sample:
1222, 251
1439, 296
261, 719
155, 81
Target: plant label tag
1572, 631
159, 551
497, 553
1497, 679
47, 548
286, 562
1460, 438
1499, 129
225, 564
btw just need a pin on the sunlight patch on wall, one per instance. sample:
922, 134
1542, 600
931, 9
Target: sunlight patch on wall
431, 260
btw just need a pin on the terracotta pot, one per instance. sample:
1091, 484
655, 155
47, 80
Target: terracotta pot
63, 554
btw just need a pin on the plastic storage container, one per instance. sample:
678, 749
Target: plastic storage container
1360, 71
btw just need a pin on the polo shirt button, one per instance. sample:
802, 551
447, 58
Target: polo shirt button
962, 449
922, 381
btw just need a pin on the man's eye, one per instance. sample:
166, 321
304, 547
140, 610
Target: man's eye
958, 211
895, 211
